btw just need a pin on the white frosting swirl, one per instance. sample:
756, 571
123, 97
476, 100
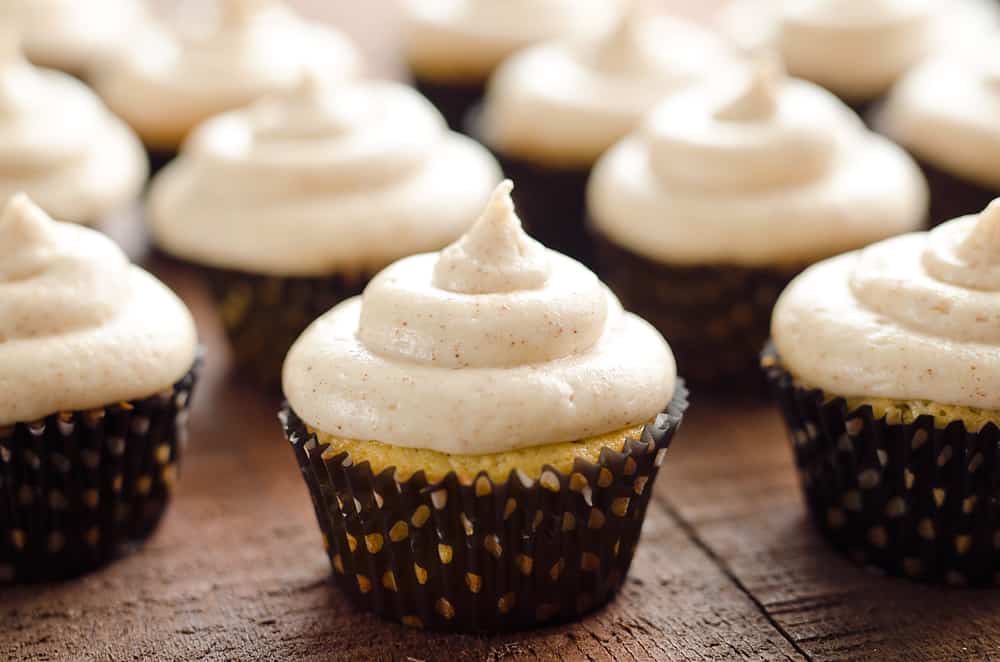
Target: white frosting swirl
916, 317
564, 103
856, 48
945, 111
463, 40
328, 177
79, 326
493, 344
166, 83
59, 144
754, 169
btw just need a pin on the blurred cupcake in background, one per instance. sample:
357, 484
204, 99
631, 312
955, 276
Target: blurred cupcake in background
552, 110
857, 49
480, 432
293, 203
886, 366
946, 113
72, 35
61, 145
97, 363
174, 77
730, 189
453, 47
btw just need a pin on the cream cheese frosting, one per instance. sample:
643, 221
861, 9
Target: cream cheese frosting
563, 103
856, 48
916, 317
59, 144
945, 112
327, 177
80, 327
754, 168
170, 80
463, 40
493, 344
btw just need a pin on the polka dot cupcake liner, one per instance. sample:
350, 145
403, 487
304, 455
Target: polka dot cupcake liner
79, 488
908, 499
453, 100
716, 317
482, 555
264, 315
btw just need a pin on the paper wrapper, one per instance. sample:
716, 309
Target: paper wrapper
908, 499
484, 556
264, 315
952, 196
453, 100
716, 318
79, 488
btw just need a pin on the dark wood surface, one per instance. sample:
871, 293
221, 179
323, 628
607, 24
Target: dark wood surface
729, 567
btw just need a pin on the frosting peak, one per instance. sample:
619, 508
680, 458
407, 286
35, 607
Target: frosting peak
982, 244
758, 100
965, 252
495, 255
26, 238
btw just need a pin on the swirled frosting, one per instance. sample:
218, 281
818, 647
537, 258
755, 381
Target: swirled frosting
754, 168
327, 177
564, 103
167, 82
856, 48
916, 317
69, 34
459, 40
80, 327
495, 343
60, 145
945, 112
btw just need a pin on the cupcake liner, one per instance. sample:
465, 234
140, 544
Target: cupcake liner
264, 315
715, 317
952, 196
907, 499
453, 100
80, 488
483, 556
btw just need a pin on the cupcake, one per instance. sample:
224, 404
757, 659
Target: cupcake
453, 47
856, 49
171, 80
730, 189
944, 112
480, 432
552, 110
59, 144
293, 203
886, 368
97, 363
69, 34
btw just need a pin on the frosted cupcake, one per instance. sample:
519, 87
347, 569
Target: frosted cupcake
169, 81
292, 204
480, 433
857, 48
552, 110
453, 47
886, 367
729, 190
59, 143
944, 112
69, 34
96, 368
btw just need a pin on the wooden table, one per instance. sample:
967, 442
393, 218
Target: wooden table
729, 567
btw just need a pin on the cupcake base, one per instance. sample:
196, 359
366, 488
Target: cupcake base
479, 555
78, 489
453, 100
264, 315
952, 197
906, 498
716, 317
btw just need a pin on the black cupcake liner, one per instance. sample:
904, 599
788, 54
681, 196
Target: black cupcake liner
264, 315
80, 488
715, 317
908, 499
952, 196
453, 100
483, 556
